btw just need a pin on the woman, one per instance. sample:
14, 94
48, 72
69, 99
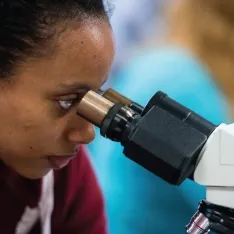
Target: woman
51, 53
196, 56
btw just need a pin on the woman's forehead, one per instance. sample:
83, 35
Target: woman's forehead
83, 56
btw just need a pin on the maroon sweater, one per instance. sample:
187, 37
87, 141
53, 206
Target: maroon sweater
67, 201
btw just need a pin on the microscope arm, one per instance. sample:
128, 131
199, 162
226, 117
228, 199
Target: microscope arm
215, 166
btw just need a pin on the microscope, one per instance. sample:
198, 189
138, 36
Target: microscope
175, 144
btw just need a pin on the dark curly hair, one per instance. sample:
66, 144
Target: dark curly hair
27, 26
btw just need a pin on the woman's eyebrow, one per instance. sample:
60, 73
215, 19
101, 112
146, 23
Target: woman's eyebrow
76, 86
73, 86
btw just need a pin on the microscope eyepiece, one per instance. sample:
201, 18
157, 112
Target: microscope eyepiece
112, 118
116, 97
93, 107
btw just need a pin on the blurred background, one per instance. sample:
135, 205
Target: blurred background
151, 56
134, 23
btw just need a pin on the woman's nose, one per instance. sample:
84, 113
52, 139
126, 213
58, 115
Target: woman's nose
83, 134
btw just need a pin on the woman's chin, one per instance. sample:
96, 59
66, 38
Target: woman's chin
33, 174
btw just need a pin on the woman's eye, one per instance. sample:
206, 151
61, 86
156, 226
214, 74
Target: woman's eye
66, 105
66, 102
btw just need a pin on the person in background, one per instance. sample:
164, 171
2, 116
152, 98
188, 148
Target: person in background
192, 64
51, 53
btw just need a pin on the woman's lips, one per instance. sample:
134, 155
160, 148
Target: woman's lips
58, 162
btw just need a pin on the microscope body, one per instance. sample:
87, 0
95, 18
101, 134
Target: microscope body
174, 143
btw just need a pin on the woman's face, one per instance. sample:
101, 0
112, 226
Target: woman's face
40, 130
